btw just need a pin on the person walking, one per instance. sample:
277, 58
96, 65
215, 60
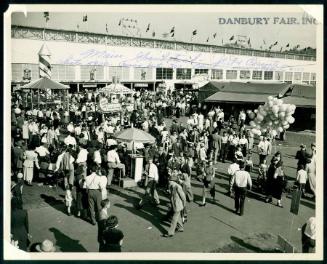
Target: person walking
240, 182
263, 149
208, 182
224, 147
65, 163
216, 145
275, 179
152, 178
93, 187
178, 202
30, 158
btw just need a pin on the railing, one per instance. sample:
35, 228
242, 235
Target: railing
22, 32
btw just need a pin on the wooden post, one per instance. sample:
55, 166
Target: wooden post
67, 99
38, 98
32, 93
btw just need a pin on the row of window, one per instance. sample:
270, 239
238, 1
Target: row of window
22, 71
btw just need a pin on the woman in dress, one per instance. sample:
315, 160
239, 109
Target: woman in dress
275, 179
30, 158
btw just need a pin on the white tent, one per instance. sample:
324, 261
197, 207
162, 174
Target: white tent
115, 88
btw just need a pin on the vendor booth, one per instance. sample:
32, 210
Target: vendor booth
133, 137
47, 91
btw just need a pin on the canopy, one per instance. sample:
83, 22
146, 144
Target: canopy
298, 94
115, 88
241, 87
45, 83
134, 135
237, 97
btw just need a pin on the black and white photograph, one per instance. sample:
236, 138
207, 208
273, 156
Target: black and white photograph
171, 132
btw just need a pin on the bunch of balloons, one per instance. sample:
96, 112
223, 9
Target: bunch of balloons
274, 116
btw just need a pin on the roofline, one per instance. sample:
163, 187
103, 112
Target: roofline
163, 40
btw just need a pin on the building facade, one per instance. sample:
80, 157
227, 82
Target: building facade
88, 60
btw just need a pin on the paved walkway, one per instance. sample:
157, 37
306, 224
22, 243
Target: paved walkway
208, 228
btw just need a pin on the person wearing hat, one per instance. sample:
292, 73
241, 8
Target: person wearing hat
46, 246
17, 188
240, 182
18, 156
301, 156
112, 236
178, 202
19, 227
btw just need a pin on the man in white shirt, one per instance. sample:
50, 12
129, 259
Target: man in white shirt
70, 140
82, 158
42, 150
200, 122
93, 187
264, 149
240, 181
152, 178
231, 172
241, 118
114, 163
71, 128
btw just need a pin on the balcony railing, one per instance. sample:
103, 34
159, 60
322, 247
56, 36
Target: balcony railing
23, 32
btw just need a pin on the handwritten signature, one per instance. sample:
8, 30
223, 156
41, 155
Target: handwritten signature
171, 59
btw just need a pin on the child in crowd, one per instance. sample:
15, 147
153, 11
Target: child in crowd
68, 199
262, 175
239, 155
248, 164
302, 178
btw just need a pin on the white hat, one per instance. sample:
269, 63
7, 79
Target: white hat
20, 175
46, 246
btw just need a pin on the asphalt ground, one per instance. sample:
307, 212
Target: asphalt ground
211, 228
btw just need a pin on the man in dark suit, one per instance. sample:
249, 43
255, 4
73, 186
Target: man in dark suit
177, 148
301, 156
216, 145
160, 159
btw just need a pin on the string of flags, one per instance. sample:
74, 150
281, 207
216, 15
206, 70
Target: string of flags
132, 24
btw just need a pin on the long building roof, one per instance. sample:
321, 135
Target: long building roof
37, 33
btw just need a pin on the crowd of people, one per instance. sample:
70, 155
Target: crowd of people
76, 148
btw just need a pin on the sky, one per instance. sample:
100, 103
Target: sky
206, 25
